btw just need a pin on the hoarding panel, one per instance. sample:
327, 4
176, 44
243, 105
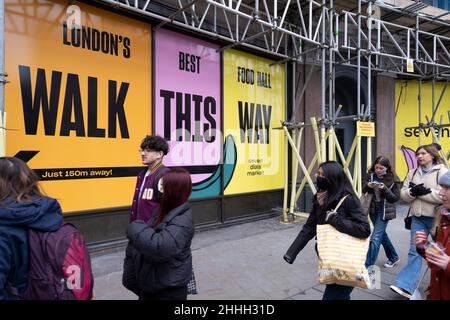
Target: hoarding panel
79, 100
188, 107
407, 115
254, 97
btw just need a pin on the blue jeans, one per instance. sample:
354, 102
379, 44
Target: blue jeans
410, 274
389, 249
379, 237
337, 292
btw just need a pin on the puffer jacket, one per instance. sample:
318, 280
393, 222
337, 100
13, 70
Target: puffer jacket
423, 205
390, 194
42, 214
159, 258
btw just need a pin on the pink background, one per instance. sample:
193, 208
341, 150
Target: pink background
168, 76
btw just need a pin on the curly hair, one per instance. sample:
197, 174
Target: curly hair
157, 143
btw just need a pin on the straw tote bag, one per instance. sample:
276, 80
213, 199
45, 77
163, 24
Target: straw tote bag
342, 257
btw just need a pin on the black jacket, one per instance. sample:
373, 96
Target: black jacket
159, 258
390, 194
349, 219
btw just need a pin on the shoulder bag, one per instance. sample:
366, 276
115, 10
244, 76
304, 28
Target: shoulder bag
342, 257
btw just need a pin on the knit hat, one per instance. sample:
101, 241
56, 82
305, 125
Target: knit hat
444, 180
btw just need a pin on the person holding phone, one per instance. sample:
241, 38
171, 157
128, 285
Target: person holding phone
384, 185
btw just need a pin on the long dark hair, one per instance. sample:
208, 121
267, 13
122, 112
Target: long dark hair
338, 183
177, 187
18, 181
382, 160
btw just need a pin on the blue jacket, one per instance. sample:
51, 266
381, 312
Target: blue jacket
42, 214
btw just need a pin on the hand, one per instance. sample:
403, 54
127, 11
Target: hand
371, 185
420, 238
380, 186
330, 215
419, 190
440, 260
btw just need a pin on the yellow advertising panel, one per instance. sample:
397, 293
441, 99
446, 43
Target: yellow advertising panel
254, 152
365, 129
407, 116
79, 99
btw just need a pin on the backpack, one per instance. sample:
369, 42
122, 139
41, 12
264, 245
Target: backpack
59, 266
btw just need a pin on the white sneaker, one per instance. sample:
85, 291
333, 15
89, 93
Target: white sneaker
390, 264
401, 291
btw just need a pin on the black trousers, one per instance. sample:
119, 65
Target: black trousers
176, 293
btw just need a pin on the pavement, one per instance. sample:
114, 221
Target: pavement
245, 262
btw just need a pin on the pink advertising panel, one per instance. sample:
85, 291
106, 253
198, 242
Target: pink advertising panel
188, 107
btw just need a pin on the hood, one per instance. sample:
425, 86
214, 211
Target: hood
43, 214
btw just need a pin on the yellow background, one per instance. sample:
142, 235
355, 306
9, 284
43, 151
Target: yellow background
273, 153
34, 37
408, 116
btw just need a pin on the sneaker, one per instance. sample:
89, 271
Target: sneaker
390, 264
401, 291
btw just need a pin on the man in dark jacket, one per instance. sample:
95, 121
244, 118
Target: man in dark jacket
43, 214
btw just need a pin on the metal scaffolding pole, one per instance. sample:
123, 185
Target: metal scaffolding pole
369, 85
420, 111
331, 147
358, 50
324, 53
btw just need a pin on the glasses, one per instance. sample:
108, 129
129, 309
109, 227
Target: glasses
147, 150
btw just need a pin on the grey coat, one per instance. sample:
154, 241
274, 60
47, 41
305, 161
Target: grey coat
159, 258
390, 194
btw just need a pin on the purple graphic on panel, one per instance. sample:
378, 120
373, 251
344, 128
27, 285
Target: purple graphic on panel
187, 102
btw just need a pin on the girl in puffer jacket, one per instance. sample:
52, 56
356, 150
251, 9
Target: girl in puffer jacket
158, 261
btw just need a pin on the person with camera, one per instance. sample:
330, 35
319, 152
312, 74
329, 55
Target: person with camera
384, 187
421, 190
437, 252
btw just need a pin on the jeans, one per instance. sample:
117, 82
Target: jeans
337, 292
408, 277
389, 249
379, 237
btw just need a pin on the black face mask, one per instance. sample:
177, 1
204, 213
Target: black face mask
322, 183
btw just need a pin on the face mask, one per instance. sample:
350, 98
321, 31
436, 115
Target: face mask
322, 183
